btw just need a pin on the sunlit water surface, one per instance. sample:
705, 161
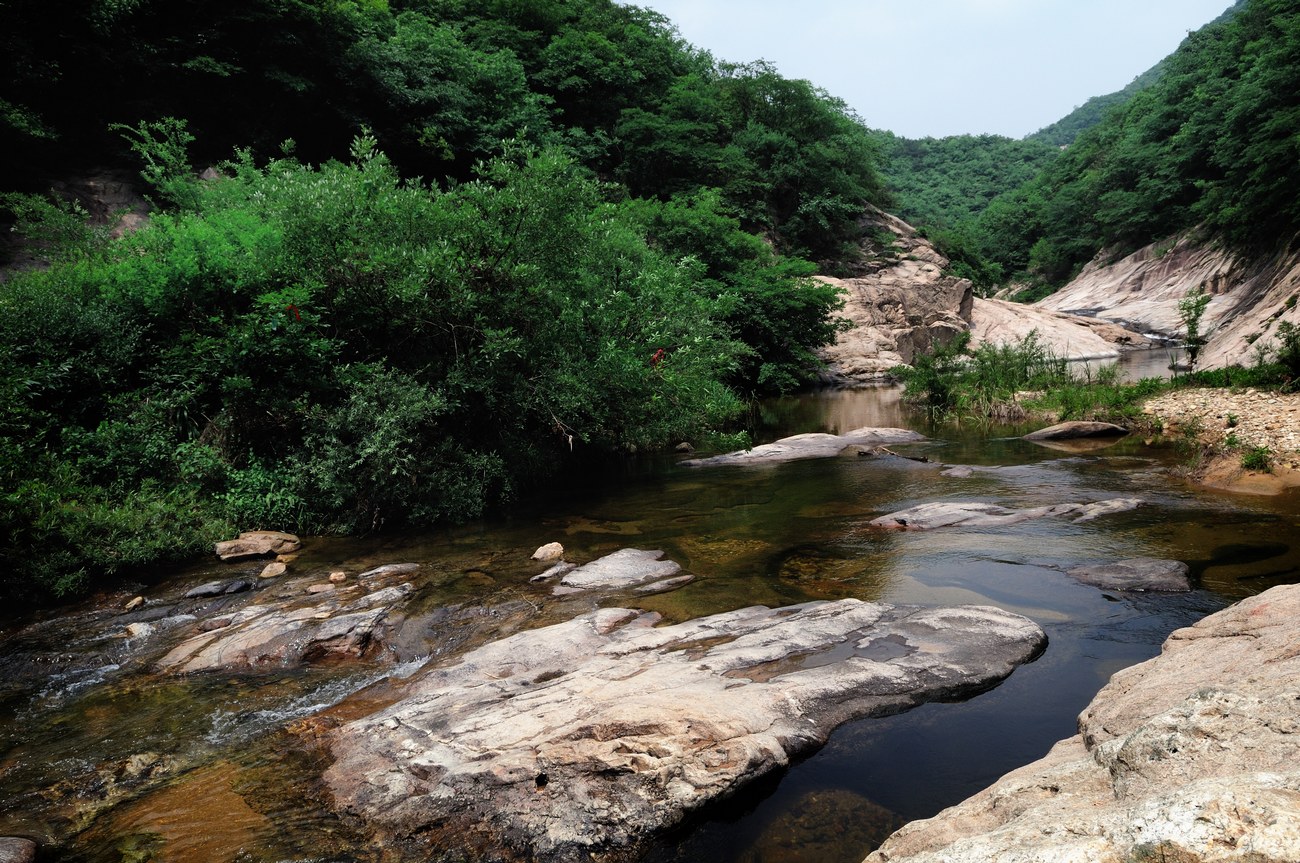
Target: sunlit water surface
103, 761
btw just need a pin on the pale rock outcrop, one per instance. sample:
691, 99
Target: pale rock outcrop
928, 516
1142, 291
1071, 337
904, 305
812, 445
592, 735
272, 633
626, 567
1192, 756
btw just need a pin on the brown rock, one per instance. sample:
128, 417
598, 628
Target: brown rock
1076, 430
258, 543
338, 576
272, 570
135, 603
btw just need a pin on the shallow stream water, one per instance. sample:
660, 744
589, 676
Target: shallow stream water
103, 760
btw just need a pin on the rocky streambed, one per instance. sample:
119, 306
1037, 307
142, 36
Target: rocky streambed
741, 659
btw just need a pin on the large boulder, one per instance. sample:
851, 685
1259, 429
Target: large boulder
584, 737
258, 543
1193, 756
813, 445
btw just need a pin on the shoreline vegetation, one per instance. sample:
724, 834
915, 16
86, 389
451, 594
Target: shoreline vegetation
1199, 410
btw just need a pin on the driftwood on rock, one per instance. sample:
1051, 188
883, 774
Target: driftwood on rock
592, 735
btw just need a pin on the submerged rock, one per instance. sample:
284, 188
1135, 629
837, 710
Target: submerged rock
1139, 573
815, 445
593, 734
258, 543
1191, 756
219, 588
928, 516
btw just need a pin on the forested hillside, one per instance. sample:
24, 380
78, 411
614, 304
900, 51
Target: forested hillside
452, 248
1212, 143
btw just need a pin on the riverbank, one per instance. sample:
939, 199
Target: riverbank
1250, 439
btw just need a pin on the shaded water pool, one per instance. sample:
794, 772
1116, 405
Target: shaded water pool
103, 760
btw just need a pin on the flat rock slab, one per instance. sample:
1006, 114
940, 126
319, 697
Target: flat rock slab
929, 516
1077, 431
626, 567
219, 588
592, 735
264, 634
1139, 573
815, 445
1193, 756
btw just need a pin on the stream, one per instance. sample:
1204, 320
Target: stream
103, 759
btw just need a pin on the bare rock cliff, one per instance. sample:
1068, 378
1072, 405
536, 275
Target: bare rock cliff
1142, 291
903, 305
906, 303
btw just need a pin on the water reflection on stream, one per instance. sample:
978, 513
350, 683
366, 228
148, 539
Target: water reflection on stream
110, 763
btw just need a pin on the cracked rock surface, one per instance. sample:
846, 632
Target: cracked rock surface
591, 735
1193, 756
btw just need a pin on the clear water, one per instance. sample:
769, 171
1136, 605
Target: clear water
103, 760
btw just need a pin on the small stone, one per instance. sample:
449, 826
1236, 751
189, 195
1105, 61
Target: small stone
134, 604
684, 447
338, 576
272, 570
286, 558
139, 630
550, 551
214, 623
320, 588
17, 850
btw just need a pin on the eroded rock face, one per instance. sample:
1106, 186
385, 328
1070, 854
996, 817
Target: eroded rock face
928, 516
1142, 291
904, 306
1192, 756
1071, 337
593, 734
814, 445
271, 633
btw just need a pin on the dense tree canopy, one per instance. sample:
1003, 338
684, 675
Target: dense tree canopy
609, 251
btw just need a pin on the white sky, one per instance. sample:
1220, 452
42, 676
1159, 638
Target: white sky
946, 67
